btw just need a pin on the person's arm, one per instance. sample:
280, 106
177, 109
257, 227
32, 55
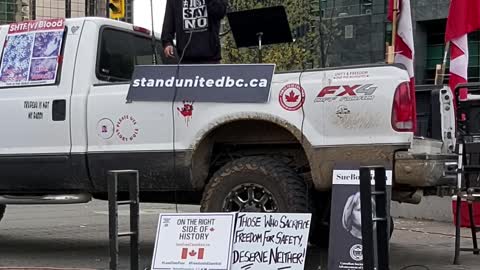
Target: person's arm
217, 9
168, 29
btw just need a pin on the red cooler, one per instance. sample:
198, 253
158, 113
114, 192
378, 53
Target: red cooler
464, 218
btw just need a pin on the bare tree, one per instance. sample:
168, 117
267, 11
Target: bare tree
328, 32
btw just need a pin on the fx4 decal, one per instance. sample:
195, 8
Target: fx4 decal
346, 93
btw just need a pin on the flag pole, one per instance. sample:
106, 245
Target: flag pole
391, 49
440, 71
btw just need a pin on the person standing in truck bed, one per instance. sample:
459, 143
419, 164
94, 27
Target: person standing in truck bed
195, 25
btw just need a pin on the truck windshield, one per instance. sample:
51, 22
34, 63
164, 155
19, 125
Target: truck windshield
120, 51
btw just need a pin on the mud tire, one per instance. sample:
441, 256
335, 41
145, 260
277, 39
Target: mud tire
290, 191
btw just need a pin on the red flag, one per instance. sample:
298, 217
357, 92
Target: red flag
390, 9
463, 18
404, 45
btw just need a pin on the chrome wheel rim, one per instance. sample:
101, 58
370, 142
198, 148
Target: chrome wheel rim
250, 198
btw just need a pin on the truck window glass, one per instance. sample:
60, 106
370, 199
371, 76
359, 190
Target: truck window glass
119, 52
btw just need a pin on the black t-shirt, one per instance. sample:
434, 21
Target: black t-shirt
199, 18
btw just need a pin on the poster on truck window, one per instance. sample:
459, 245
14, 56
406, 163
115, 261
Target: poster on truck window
31, 52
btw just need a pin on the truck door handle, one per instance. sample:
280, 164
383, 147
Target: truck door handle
59, 108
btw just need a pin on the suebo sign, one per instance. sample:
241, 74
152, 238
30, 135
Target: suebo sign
346, 250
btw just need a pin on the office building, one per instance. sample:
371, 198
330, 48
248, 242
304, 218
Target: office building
21, 10
362, 30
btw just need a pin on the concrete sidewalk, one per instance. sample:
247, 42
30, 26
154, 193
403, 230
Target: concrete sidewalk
76, 236
430, 244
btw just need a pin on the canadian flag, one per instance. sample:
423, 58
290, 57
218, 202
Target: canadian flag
463, 18
198, 253
404, 46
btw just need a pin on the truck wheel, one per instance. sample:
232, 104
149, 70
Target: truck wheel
2, 210
259, 184
256, 184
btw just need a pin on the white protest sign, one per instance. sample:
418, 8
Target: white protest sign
193, 241
270, 241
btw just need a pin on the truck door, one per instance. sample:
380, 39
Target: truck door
35, 131
124, 135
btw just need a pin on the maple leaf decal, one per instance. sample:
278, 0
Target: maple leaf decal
192, 253
291, 97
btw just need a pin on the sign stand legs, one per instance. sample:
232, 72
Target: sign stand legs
113, 203
371, 250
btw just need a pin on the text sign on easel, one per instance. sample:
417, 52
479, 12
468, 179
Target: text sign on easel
193, 241
264, 241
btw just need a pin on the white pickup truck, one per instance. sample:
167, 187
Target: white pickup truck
61, 138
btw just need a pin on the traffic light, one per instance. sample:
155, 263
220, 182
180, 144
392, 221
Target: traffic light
117, 9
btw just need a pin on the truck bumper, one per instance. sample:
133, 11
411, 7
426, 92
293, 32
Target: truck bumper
425, 170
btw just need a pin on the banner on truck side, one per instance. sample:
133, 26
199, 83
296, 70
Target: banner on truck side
31, 52
345, 246
226, 83
193, 241
270, 241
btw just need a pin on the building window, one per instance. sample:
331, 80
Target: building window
474, 59
348, 31
7, 11
388, 33
120, 51
435, 49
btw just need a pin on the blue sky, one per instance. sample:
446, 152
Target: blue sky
141, 14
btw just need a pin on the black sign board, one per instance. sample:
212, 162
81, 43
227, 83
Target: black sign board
345, 250
226, 83
261, 26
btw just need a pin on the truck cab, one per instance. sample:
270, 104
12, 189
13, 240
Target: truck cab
46, 134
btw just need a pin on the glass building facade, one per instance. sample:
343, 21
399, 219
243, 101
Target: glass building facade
20, 10
354, 31
8, 11
366, 31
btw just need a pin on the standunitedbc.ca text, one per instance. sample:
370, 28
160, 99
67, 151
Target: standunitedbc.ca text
222, 82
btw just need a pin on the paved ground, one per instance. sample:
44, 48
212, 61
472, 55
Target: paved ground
77, 236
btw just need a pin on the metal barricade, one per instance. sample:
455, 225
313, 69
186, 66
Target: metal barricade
468, 171
374, 253
113, 203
